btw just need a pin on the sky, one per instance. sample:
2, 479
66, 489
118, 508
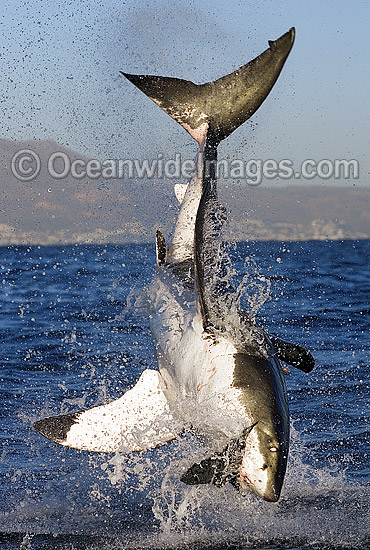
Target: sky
60, 63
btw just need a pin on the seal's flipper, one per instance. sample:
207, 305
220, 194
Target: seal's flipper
293, 355
209, 470
220, 468
138, 420
223, 104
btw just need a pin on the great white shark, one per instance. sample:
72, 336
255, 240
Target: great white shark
219, 374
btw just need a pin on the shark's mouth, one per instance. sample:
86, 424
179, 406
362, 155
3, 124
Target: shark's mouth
244, 480
216, 471
224, 467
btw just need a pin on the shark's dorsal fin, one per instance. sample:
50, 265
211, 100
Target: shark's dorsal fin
208, 243
223, 104
160, 248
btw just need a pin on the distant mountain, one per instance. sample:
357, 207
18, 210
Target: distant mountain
300, 213
46, 210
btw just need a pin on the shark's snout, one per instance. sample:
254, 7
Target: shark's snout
263, 463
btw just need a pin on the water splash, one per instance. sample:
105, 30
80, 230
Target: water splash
227, 292
319, 508
254, 289
26, 543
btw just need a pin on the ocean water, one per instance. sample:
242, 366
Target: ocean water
74, 333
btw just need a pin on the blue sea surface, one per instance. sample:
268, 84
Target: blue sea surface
74, 333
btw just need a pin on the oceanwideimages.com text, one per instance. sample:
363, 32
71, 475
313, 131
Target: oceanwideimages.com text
26, 165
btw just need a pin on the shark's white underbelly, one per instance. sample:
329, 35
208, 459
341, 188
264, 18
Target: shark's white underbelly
197, 371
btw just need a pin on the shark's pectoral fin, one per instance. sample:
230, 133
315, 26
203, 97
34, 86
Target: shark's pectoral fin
138, 420
293, 355
160, 247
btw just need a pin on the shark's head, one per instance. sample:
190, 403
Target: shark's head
264, 459
256, 461
263, 462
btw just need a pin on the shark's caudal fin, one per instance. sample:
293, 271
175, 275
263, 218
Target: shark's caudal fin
223, 104
138, 420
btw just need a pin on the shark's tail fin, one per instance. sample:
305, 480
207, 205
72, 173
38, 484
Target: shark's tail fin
223, 104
